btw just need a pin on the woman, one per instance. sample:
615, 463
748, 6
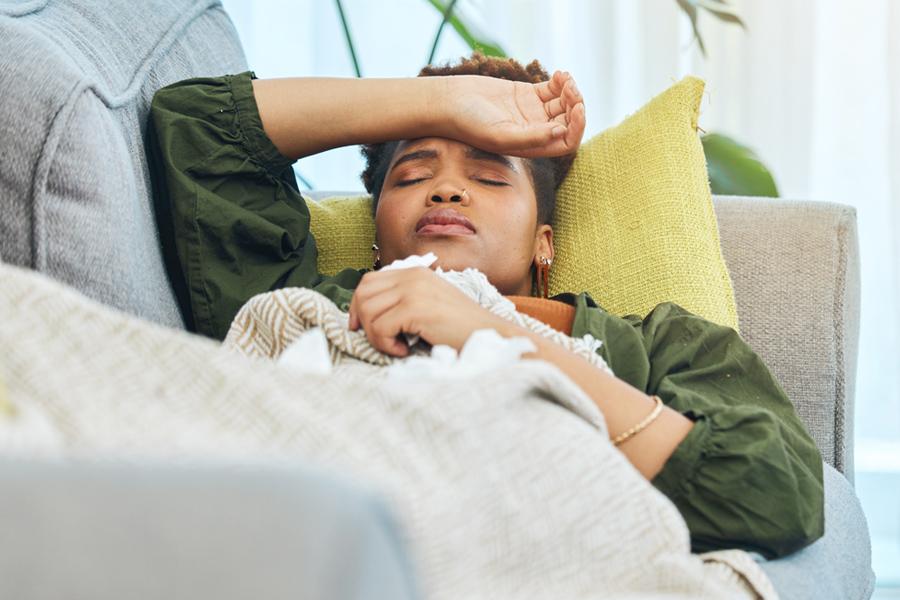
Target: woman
482, 147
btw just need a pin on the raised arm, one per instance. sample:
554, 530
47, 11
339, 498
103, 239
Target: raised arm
306, 115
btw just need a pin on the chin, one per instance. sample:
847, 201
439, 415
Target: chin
450, 257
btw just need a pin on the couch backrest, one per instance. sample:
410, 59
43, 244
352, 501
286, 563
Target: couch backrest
795, 268
76, 80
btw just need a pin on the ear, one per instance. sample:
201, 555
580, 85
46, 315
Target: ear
543, 243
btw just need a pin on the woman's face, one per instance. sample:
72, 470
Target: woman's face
470, 207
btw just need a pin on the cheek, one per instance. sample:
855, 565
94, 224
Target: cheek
391, 224
514, 228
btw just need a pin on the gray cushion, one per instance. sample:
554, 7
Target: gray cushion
156, 530
795, 267
77, 80
839, 565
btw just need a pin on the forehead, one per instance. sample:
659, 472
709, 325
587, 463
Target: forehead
447, 149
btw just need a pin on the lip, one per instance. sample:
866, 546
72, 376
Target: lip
444, 221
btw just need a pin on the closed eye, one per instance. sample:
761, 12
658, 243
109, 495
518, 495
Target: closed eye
408, 182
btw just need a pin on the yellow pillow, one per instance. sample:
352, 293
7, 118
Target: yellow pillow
634, 223
344, 232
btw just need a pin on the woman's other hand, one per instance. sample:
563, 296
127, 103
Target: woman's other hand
388, 304
511, 117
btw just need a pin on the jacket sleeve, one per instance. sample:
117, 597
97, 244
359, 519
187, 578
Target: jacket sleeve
748, 475
232, 222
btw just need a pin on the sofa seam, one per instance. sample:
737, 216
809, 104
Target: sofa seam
42, 170
162, 45
25, 9
160, 48
838, 309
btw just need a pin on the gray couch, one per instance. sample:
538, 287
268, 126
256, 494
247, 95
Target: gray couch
76, 79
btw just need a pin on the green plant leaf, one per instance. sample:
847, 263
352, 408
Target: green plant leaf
734, 169
475, 39
718, 8
721, 10
690, 9
445, 16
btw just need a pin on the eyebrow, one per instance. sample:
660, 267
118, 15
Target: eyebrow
478, 154
471, 153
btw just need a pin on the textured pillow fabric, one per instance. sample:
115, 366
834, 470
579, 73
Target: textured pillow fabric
634, 223
344, 232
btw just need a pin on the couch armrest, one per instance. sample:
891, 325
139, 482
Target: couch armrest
82, 529
837, 566
795, 268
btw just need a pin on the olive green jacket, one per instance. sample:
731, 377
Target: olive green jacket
233, 224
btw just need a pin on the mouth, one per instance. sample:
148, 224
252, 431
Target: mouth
444, 221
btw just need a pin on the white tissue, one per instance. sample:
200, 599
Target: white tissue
411, 261
592, 342
484, 351
308, 354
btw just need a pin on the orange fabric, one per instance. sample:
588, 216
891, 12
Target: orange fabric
554, 313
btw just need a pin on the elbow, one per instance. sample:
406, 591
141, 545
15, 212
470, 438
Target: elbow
794, 516
802, 523
774, 531
774, 496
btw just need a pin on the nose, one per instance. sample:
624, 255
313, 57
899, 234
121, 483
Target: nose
448, 192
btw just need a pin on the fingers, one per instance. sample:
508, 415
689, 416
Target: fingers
372, 283
569, 99
373, 307
552, 88
577, 123
563, 97
570, 122
561, 135
381, 333
571, 94
380, 306
555, 107
384, 332
560, 109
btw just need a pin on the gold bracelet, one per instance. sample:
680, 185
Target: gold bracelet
642, 425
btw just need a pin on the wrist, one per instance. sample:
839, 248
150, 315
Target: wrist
437, 114
508, 329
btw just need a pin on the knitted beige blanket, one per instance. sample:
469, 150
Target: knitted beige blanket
505, 481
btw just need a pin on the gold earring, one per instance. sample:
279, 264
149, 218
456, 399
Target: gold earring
543, 276
376, 264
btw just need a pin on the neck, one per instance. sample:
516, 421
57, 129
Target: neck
523, 289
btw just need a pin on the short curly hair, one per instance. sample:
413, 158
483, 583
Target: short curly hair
546, 173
